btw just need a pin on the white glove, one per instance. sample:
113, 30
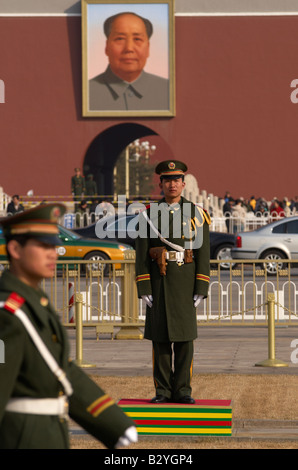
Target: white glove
148, 299
130, 436
197, 299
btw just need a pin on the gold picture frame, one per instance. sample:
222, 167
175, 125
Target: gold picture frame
151, 92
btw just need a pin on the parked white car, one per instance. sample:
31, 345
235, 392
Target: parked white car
274, 242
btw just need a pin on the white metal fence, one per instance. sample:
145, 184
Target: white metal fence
232, 223
236, 296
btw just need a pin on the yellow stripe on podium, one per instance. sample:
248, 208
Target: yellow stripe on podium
159, 430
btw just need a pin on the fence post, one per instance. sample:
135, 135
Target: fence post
79, 331
129, 300
271, 361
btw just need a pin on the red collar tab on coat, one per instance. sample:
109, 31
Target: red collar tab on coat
14, 302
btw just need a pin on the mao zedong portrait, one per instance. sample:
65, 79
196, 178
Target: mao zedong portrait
125, 85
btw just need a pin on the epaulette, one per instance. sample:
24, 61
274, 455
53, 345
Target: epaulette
207, 216
13, 302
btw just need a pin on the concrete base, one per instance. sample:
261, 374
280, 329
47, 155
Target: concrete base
129, 332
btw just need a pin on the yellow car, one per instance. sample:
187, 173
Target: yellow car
76, 248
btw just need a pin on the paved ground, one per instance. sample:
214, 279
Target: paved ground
217, 350
234, 350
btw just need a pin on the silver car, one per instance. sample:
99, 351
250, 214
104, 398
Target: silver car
273, 242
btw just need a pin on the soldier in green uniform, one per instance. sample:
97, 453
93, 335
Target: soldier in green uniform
78, 186
91, 186
40, 385
172, 275
91, 192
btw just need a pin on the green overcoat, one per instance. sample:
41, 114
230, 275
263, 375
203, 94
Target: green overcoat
25, 374
173, 315
78, 185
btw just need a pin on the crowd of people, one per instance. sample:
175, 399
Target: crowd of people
238, 209
84, 192
260, 206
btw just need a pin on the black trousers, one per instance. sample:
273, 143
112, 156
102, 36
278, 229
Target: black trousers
172, 368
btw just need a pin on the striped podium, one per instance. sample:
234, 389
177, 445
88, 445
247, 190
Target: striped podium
204, 418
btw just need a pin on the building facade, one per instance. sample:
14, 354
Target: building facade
236, 115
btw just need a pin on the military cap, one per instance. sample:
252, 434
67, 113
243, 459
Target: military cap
40, 223
171, 169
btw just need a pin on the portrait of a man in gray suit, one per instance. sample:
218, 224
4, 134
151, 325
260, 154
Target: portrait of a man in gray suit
125, 85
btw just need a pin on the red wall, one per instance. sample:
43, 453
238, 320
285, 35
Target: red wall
235, 123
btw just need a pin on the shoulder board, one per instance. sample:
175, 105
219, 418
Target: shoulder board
14, 302
207, 216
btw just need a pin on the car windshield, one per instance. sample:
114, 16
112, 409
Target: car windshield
122, 223
68, 233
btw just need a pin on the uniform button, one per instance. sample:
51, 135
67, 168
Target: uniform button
54, 339
44, 301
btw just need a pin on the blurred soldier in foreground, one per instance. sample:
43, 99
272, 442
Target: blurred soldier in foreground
172, 268
40, 384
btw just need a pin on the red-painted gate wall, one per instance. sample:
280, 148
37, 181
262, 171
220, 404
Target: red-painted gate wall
235, 123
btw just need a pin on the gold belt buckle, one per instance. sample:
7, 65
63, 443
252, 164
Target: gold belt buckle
172, 255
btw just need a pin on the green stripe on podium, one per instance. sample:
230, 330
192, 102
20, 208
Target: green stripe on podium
204, 418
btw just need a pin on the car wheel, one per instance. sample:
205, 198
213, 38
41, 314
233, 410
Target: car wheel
274, 264
97, 256
224, 252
